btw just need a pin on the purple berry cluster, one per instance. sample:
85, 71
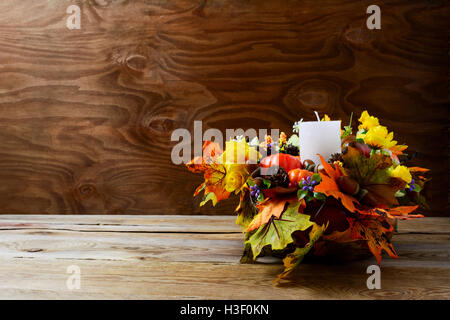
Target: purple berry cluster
412, 185
255, 191
307, 184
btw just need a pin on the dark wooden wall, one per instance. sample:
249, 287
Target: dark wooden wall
86, 115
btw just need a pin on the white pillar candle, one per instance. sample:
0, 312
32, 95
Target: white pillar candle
319, 137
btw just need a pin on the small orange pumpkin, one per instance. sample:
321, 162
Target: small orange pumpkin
286, 161
296, 175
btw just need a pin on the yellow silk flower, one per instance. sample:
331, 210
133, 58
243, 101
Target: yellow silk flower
236, 177
379, 137
239, 152
235, 158
367, 121
401, 172
376, 135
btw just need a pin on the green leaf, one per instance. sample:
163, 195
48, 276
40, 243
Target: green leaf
367, 171
210, 196
277, 233
400, 193
247, 255
316, 177
319, 196
292, 260
361, 131
260, 197
267, 183
348, 129
417, 188
301, 194
372, 173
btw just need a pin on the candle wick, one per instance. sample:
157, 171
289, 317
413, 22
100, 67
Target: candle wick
317, 115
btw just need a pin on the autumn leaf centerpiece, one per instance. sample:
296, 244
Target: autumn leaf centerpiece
295, 208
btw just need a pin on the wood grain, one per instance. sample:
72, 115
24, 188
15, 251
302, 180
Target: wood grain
86, 115
165, 257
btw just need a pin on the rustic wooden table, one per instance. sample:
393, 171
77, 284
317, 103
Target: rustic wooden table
197, 257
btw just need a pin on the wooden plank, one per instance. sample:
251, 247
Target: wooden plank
156, 279
206, 224
153, 264
86, 115
425, 225
194, 224
51, 244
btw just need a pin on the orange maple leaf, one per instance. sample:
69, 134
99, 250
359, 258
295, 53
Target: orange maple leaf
197, 165
329, 186
402, 212
398, 149
333, 173
213, 172
418, 169
200, 164
268, 208
218, 189
215, 181
375, 231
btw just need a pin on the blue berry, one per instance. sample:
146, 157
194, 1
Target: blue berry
412, 185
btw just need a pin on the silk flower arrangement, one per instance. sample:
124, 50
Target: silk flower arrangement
338, 205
